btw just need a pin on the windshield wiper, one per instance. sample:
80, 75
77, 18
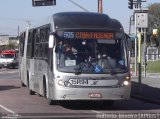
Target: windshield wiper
112, 72
79, 69
85, 66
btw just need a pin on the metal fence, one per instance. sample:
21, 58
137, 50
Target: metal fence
152, 54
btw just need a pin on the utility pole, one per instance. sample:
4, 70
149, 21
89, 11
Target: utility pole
141, 24
100, 6
139, 62
18, 32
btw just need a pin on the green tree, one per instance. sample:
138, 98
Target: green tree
11, 46
154, 17
154, 20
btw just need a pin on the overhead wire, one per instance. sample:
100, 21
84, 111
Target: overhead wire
79, 5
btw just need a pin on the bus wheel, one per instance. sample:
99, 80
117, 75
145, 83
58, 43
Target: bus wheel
45, 91
108, 103
22, 84
50, 101
13, 66
30, 91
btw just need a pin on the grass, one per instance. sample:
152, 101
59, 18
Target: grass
151, 67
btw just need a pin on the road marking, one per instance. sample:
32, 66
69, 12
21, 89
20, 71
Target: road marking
9, 114
96, 111
99, 114
5, 108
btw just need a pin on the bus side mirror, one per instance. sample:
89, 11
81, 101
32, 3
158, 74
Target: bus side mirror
51, 41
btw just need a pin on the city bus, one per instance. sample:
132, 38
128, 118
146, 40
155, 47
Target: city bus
76, 56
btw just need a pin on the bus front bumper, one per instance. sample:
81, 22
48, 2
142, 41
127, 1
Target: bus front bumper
122, 93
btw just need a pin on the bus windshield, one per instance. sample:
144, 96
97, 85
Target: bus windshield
98, 54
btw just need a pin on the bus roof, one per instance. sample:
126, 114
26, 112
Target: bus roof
85, 20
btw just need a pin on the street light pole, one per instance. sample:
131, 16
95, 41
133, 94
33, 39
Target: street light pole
130, 23
100, 6
18, 31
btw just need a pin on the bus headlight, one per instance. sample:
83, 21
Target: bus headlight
61, 83
127, 78
126, 83
64, 83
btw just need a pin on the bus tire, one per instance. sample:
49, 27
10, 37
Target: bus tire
45, 91
28, 85
13, 66
22, 84
31, 92
50, 101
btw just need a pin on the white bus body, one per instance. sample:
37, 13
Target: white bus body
89, 74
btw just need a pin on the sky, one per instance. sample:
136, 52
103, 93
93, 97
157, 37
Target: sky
16, 14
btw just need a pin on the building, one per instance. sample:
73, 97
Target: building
6, 40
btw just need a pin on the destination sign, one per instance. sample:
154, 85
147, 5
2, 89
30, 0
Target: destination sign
88, 35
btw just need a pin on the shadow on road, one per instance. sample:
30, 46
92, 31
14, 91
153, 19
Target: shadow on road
118, 105
85, 105
146, 92
8, 87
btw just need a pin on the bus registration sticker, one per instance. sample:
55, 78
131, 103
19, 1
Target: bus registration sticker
95, 95
70, 62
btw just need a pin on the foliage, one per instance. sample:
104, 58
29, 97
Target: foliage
154, 23
154, 17
153, 66
11, 46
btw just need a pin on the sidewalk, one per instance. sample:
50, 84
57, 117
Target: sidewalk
149, 90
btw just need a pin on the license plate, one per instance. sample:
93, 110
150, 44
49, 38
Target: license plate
80, 82
5, 64
95, 95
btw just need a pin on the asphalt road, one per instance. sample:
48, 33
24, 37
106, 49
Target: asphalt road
15, 101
